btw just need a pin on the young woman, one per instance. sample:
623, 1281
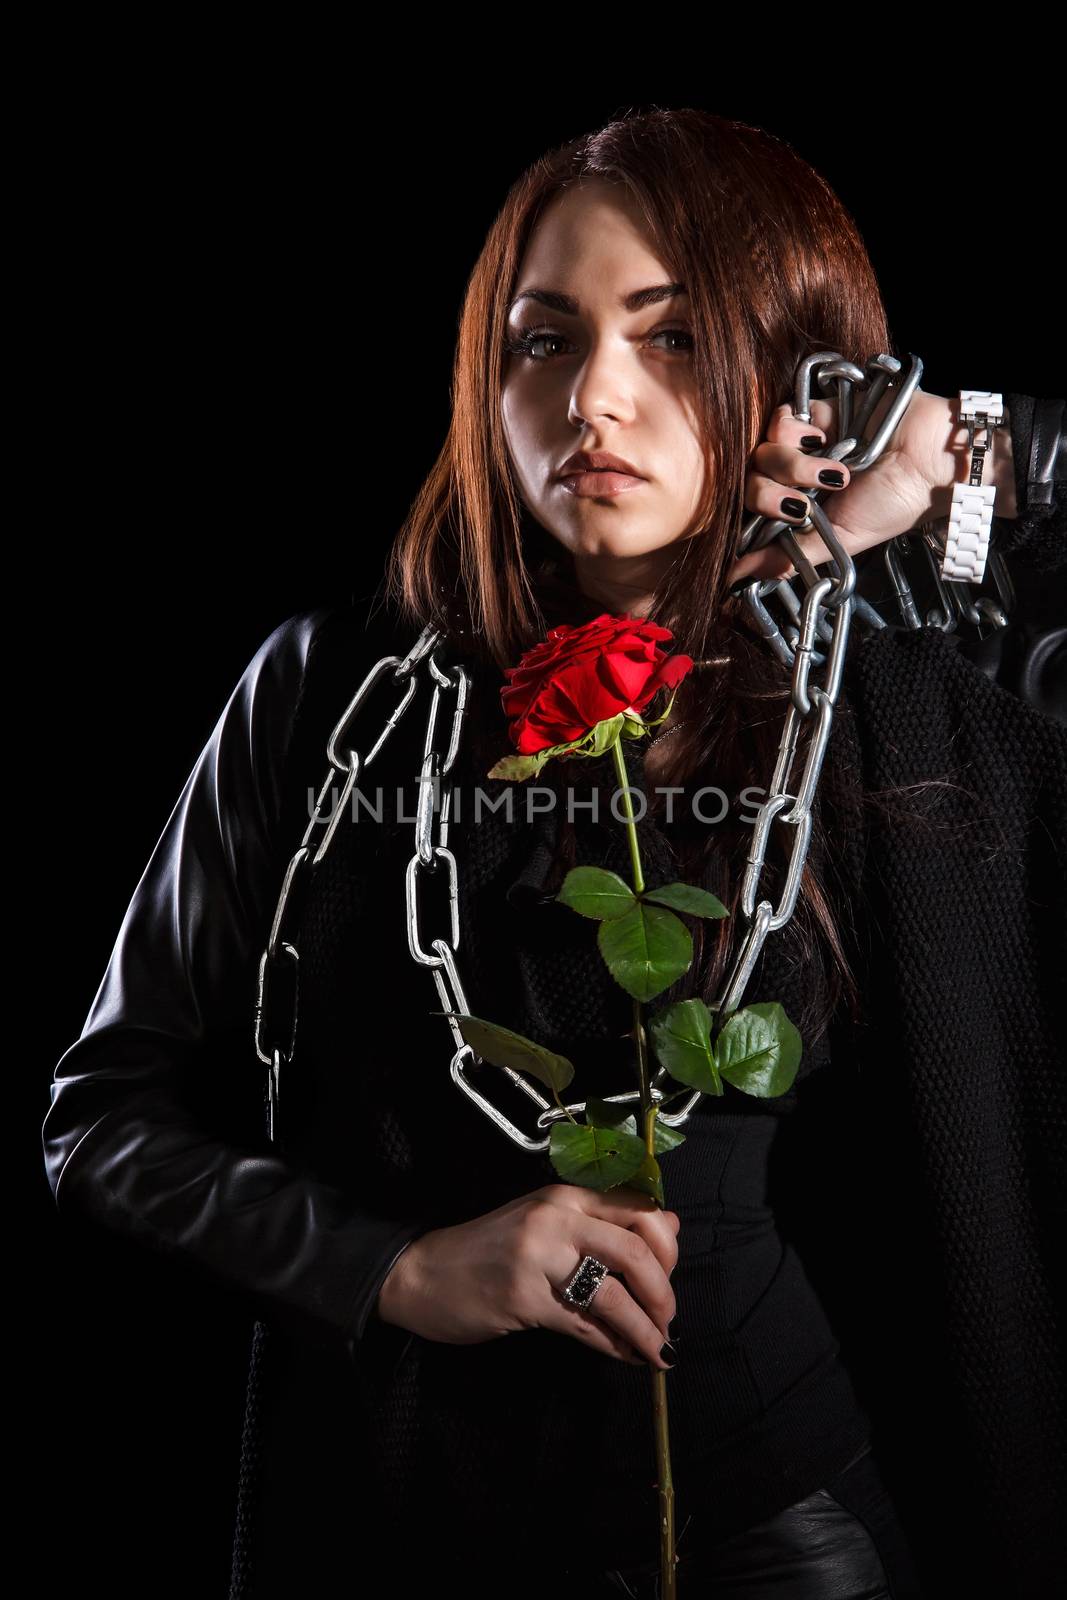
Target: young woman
857, 1277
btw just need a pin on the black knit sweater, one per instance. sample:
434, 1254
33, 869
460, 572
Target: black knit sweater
875, 1254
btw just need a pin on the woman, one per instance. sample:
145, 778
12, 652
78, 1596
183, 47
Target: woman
832, 1292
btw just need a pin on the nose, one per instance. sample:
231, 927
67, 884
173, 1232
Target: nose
602, 388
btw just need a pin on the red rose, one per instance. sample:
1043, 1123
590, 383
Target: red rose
577, 677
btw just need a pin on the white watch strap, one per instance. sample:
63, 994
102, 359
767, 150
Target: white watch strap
970, 515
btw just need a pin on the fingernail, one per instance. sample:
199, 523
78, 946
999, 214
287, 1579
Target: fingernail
834, 479
810, 441
794, 508
668, 1359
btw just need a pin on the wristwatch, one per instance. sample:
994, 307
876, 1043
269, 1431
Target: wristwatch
970, 515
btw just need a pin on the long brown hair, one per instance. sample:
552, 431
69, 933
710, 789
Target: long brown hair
776, 270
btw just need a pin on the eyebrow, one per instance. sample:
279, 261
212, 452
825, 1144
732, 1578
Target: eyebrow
636, 300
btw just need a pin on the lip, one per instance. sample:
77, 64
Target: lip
598, 473
599, 483
598, 461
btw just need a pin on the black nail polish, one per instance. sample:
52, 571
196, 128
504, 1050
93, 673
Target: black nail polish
794, 508
810, 441
671, 1358
834, 479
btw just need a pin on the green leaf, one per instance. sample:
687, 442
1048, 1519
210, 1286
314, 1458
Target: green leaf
648, 1179
594, 1158
759, 1050
646, 950
664, 1138
687, 897
597, 893
607, 1113
603, 735
600, 737
654, 722
681, 1039
504, 1048
612, 1114
516, 769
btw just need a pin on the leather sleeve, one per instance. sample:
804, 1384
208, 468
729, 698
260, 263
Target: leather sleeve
1029, 655
136, 1137
1039, 461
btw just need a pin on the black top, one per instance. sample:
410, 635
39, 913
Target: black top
762, 1409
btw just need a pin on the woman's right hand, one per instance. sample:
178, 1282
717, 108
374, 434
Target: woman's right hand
503, 1272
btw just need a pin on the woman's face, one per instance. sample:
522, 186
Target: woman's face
601, 372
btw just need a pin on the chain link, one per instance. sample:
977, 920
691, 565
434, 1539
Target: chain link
823, 612
276, 1019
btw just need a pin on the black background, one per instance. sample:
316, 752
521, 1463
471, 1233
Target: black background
244, 284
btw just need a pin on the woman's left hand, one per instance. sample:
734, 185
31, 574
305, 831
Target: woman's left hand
911, 481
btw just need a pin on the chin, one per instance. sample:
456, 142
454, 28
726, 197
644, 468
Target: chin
617, 543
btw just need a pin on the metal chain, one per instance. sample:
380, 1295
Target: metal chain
823, 612
275, 1035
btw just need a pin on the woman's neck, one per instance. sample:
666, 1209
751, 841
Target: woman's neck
563, 601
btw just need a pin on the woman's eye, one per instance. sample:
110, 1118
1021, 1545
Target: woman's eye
523, 344
676, 333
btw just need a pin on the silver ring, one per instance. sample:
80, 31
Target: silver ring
585, 1283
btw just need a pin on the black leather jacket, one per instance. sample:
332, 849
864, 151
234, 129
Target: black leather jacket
124, 1142
127, 1140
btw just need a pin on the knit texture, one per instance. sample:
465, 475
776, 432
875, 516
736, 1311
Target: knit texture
967, 933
